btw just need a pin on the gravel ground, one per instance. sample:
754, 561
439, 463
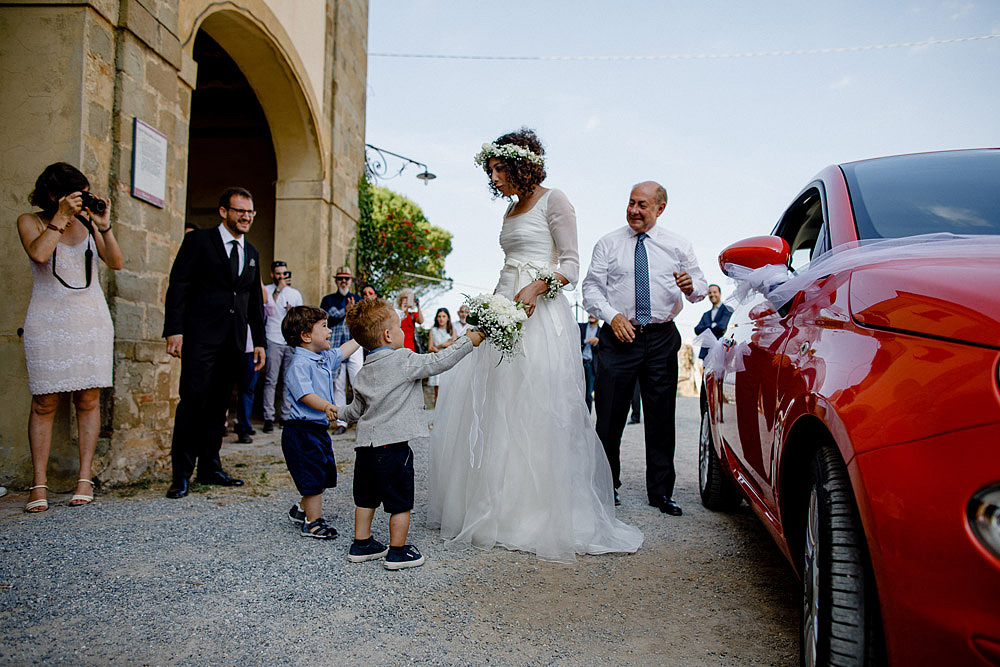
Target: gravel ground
223, 577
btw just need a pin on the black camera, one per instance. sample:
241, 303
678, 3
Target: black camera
93, 204
288, 275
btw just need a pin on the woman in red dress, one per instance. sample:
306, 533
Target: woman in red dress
408, 309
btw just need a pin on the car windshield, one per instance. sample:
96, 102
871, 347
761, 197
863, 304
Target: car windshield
957, 192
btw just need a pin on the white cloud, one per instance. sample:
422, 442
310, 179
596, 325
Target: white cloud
963, 11
843, 83
592, 123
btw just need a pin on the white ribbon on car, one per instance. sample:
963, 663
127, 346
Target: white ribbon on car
529, 269
779, 285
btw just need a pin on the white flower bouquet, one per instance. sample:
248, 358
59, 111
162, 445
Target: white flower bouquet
499, 319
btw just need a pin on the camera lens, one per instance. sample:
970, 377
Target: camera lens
94, 204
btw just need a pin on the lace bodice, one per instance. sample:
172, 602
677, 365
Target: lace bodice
542, 237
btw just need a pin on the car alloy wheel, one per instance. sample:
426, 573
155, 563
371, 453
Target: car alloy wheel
716, 490
840, 618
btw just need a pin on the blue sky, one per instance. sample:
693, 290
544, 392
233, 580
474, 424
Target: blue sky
732, 139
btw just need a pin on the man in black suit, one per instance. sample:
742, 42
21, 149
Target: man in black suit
588, 348
716, 319
214, 310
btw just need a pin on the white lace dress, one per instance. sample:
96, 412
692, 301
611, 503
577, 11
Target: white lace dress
514, 459
68, 335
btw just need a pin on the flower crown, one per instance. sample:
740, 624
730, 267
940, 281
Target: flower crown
508, 151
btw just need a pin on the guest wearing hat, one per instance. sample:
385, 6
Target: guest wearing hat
336, 306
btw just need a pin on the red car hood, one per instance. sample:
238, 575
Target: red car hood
952, 298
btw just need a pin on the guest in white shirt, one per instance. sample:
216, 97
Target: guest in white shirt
639, 276
281, 297
461, 326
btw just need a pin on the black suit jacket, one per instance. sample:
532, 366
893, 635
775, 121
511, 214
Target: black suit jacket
204, 303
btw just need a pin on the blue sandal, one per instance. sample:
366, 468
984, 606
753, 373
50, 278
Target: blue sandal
319, 529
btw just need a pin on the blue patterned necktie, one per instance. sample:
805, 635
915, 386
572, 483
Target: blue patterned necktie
643, 314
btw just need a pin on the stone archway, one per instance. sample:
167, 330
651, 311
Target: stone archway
301, 188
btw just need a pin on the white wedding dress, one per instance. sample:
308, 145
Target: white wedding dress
514, 458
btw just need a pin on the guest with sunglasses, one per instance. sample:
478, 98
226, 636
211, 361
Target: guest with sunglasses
336, 306
281, 297
68, 334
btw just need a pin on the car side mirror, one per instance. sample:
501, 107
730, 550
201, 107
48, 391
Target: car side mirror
755, 252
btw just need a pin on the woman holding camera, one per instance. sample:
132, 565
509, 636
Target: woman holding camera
68, 335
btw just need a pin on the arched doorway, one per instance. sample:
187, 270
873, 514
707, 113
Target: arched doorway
295, 203
229, 144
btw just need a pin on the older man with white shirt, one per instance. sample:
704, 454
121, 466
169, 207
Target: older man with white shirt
638, 279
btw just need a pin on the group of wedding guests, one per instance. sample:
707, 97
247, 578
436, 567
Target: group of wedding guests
514, 458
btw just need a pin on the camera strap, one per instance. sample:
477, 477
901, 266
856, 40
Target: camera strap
88, 258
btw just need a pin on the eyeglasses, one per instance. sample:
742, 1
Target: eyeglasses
342, 279
242, 211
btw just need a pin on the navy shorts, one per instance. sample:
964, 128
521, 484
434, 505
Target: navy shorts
384, 476
308, 454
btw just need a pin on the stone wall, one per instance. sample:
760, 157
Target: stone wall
74, 76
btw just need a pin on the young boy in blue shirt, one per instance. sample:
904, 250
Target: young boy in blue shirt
305, 440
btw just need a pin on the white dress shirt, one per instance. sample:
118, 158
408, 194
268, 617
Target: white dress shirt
275, 310
609, 287
460, 328
227, 240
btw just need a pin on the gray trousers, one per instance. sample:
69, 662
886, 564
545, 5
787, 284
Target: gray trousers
278, 359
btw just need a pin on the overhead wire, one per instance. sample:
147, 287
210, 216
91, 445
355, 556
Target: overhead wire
698, 56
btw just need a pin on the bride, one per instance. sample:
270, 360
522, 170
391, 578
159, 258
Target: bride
514, 458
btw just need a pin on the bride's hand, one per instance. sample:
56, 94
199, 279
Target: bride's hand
529, 295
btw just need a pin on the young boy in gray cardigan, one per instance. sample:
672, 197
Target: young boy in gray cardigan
388, 406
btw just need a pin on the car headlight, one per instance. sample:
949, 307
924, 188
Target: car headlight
983, 513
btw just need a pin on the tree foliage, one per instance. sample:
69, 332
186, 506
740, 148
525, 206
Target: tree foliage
394, 239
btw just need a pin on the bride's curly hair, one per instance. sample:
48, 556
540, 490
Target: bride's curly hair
523, 175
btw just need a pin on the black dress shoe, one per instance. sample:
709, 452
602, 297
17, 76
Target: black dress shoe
666, 505
633, 420
339, 430
244, 438
268, 426
618, 500
219, 478
252, 431
178, 488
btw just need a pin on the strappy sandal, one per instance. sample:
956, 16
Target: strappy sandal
79, 499
36, 506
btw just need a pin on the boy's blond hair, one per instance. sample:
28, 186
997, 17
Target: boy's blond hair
366, 321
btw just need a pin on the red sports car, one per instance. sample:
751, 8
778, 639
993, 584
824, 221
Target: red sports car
854, 403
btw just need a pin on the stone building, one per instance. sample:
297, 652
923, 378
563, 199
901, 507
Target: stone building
267, 94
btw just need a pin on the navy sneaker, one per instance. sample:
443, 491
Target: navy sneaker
371, 551
402, 557
297, 515
319, 529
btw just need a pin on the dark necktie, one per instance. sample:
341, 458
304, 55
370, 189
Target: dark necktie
234, 261
642, 311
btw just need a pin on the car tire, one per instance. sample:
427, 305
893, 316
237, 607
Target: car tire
717, 491
840, 617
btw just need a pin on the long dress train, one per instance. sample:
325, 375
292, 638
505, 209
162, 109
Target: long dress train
515, 460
